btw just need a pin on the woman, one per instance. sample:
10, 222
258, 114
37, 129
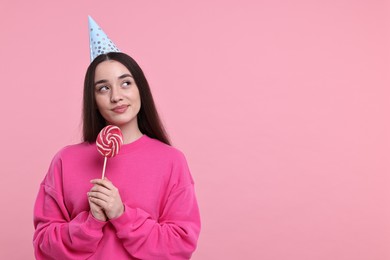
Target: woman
146, 208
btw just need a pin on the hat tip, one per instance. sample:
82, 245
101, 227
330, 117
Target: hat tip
99, 42
90, 19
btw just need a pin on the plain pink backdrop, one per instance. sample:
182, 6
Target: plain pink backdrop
281, 107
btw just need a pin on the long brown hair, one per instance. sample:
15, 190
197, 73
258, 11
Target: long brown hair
149, 121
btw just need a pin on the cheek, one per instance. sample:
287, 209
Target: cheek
138, 103
135, 98
99, 102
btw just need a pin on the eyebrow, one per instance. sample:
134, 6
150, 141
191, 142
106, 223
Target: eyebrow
105, 81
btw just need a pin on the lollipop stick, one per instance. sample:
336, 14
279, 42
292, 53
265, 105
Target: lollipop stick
104, 166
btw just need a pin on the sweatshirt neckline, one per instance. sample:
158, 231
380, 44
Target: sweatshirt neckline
130, 147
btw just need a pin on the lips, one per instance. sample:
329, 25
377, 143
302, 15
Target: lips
120, 109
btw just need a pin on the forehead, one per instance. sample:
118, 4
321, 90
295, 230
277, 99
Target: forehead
110, 69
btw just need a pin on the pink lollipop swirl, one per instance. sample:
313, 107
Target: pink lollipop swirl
109, 141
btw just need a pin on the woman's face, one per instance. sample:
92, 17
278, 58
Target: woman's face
116, 94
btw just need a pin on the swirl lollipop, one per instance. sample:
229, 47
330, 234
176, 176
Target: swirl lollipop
109, 142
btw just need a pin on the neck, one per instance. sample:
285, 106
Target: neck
129, 138
130, 133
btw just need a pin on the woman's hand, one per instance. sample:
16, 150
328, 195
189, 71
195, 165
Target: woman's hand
106, 196
96, 210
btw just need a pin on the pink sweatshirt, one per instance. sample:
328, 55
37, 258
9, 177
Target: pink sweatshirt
161, 218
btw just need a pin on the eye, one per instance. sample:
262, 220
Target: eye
126, 83
102, 88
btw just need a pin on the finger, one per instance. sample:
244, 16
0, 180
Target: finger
93, 205
97, 202
105, 183
98, 195
101, 189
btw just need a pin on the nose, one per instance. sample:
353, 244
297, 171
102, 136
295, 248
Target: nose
116, 95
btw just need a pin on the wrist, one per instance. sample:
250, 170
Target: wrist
118, 213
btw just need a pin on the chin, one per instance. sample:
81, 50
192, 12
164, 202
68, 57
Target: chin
123, 123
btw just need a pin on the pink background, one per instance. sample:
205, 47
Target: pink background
282, 108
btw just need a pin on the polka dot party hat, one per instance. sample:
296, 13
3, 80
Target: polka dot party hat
99, 43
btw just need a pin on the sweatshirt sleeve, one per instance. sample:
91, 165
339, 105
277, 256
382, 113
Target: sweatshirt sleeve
57, 236
174, 235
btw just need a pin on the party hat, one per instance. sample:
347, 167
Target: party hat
99, 42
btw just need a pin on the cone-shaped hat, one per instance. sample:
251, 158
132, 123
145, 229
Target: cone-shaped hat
99, 42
